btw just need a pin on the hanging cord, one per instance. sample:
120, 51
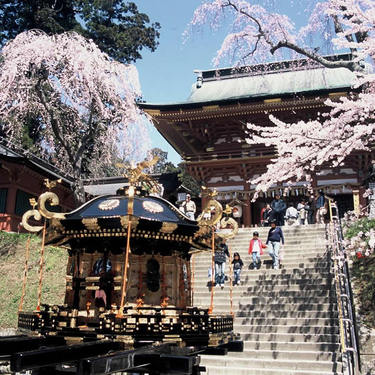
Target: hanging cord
41, 266
192, 278
230, 281
211, 308
125, 271
27, 255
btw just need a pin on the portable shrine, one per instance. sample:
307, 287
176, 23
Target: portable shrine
128, 299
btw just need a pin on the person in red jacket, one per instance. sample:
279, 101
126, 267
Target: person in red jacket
256, 249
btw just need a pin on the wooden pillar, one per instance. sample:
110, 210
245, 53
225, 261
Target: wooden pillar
11, 199
246, 209
356, 200
362, 200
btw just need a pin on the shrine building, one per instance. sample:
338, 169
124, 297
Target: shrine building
208, 130
22, 177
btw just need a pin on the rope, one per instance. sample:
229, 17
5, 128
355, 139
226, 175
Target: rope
211, 308
27, 255
41, 264
230, 281
125, 271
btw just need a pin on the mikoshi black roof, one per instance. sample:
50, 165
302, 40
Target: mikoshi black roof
105, 219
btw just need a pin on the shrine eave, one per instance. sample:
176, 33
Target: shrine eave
181, 106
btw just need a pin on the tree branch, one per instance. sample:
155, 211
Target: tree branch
54, 121
351, 65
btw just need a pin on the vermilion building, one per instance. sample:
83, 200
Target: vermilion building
208, 129
21, 178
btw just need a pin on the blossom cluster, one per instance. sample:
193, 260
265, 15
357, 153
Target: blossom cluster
359, 235
83, 101
259, 34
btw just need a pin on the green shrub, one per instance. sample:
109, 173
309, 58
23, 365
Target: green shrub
361, 225
363, 271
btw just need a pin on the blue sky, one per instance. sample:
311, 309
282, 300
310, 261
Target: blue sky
166, 75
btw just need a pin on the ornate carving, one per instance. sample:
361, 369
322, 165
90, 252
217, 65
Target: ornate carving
213, 211
224, 232
56, 225
54, 201
125, 220
27, 215
91, 223
211, 214
168, 227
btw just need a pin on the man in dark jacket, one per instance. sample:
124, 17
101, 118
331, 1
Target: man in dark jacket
275, 236
221, 254
321, 209
278, 210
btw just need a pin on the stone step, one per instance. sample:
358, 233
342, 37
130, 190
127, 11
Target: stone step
266, 301
259, 289
308, 314
318, 237
306, 259
220, 308
263, 284
272, 294
302, 306
290, 329
295, 346
301, 242
288, 317
233, 370
295, 338
297, 229
255, 363
298, 258
285, 354
295, 319
286, 232
265, 274
255, 290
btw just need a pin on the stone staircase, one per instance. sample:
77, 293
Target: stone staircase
287, 318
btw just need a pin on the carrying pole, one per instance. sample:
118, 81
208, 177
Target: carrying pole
27, 255
230, 281
130, 192
211, 308
41, 266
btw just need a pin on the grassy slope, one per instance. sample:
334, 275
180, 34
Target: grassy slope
12, 261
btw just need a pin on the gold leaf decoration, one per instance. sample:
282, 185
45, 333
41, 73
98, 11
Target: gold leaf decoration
91, 223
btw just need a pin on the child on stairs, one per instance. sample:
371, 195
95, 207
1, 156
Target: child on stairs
237, 267
256, 249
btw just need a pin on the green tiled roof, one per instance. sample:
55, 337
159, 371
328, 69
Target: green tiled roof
272, 83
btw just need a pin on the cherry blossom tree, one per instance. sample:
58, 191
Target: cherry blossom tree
259, 34
84, 102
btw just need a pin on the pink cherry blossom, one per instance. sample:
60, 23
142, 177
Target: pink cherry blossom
85, 101
258, 34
